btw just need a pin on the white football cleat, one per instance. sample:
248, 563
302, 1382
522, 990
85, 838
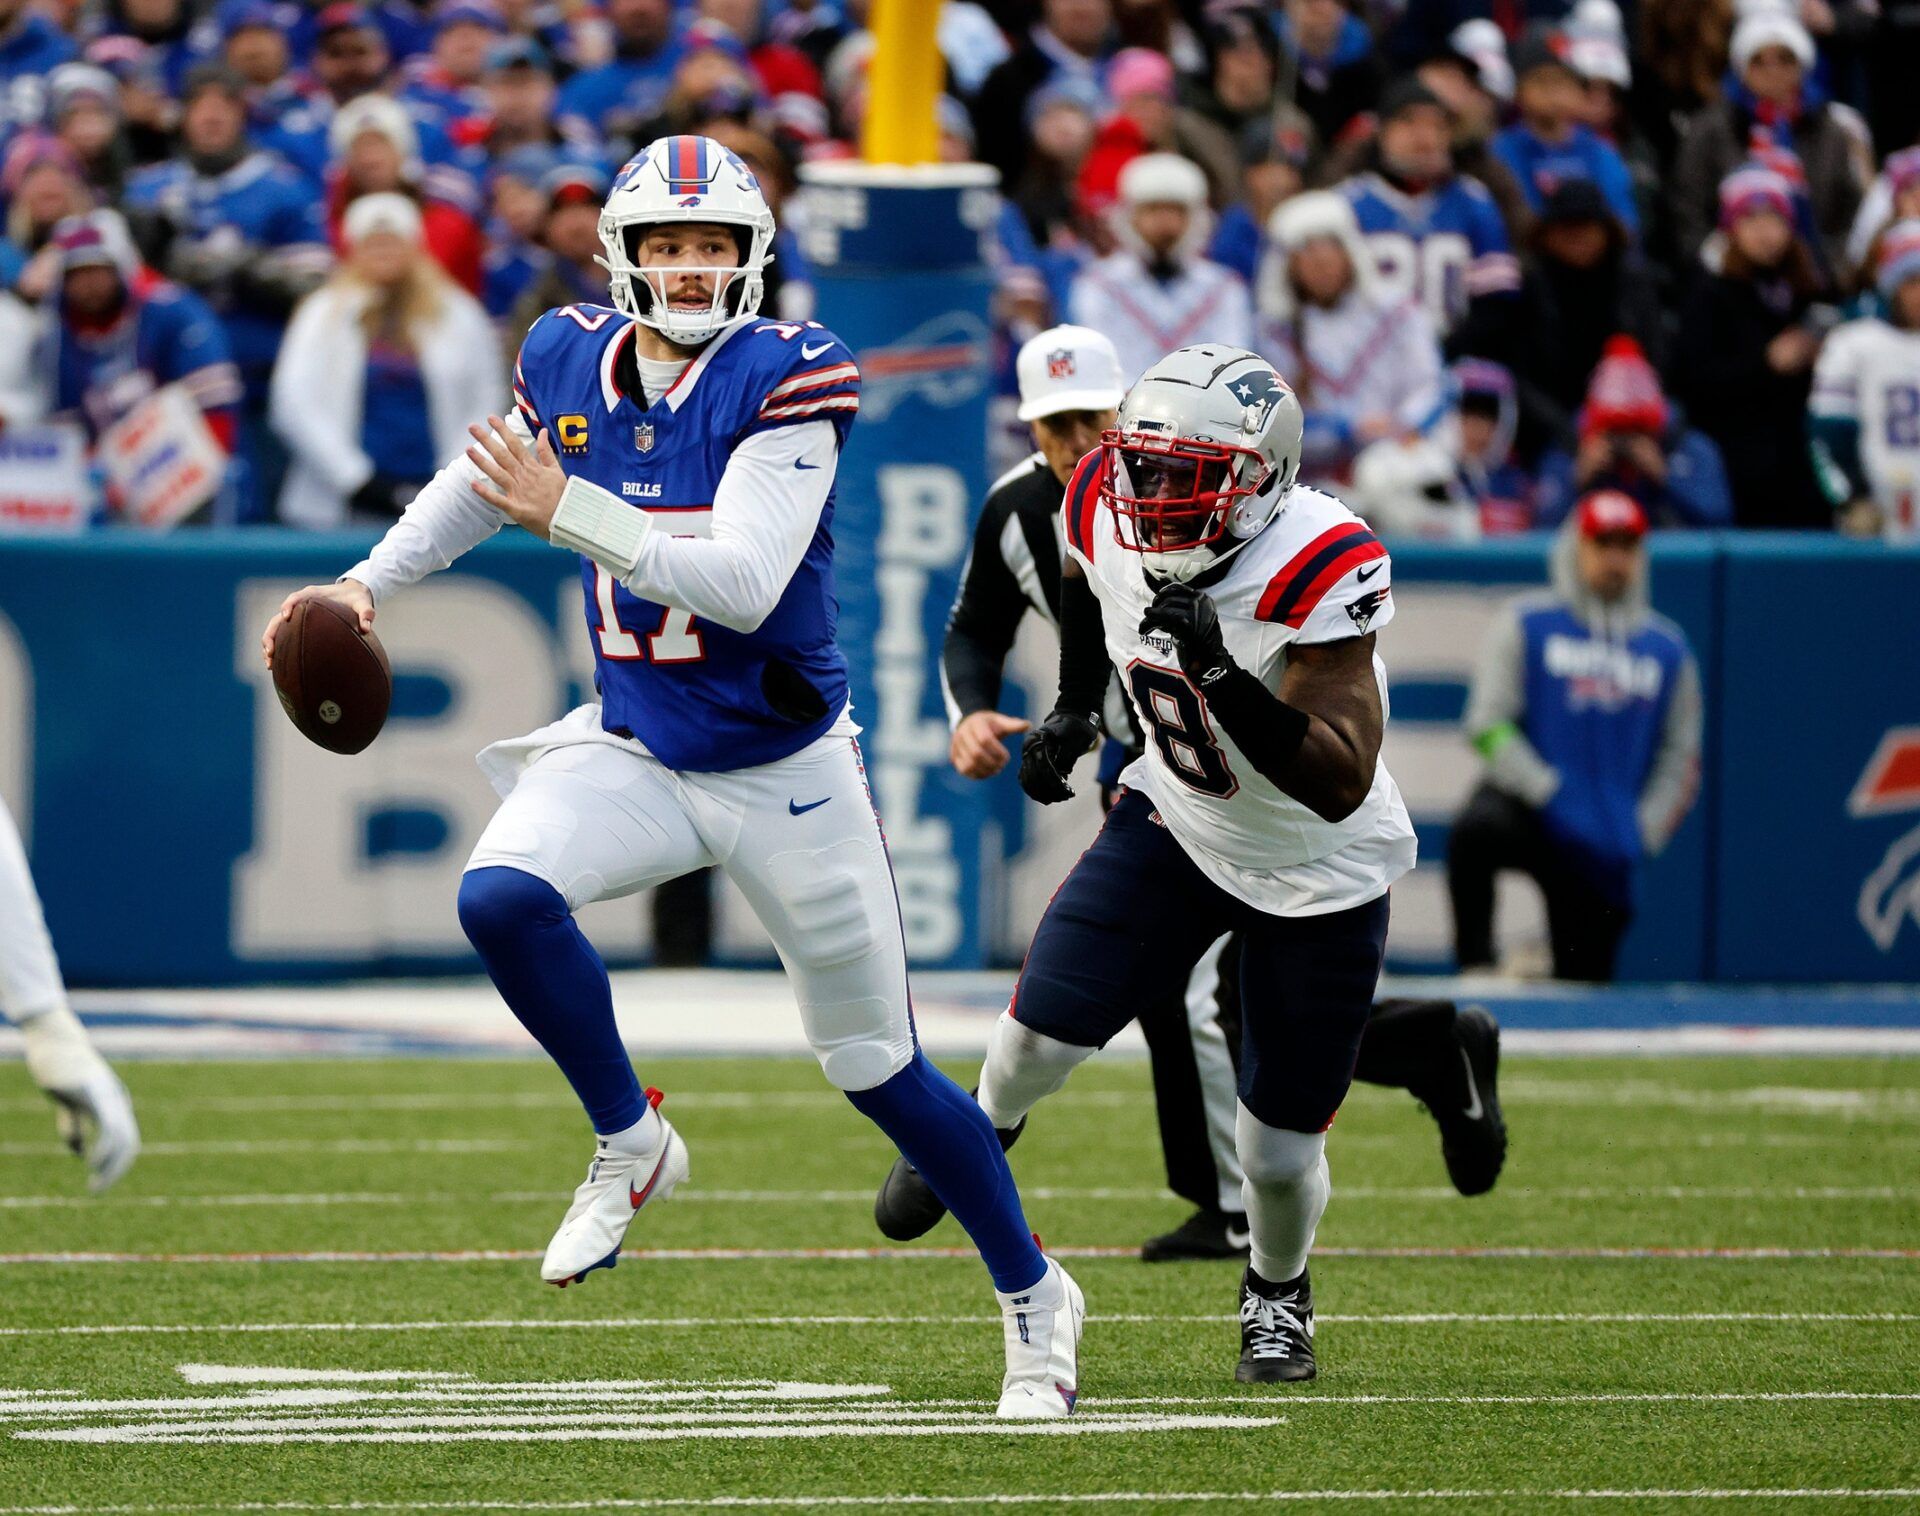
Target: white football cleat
1043, 1348
92, 1110
616, 1187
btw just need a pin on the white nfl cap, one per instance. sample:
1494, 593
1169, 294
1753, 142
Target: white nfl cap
1067, 368
382, 212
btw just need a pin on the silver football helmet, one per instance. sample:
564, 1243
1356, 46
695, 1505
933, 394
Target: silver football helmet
1201, 457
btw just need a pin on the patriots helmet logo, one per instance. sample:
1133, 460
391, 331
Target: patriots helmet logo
1259, 390
643, 436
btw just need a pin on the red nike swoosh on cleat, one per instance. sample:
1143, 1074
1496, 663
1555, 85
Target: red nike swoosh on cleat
639, 1197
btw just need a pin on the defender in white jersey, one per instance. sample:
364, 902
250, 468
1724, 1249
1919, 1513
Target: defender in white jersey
1240, 611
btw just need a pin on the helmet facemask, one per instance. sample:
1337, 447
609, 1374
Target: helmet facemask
644, 292
1174, 499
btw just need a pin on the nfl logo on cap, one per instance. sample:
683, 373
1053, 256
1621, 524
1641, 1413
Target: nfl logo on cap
1060, 363
643, 436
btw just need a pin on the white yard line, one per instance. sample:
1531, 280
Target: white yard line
629, 1323
1735, 1254
864, 1197
243, 1147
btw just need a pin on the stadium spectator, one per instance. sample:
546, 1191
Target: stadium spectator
241, 229
376, 150
1631, 440
1597, 50
443, 85
1068, 41
120, 333
1156, 292
383, 369
42, 185
83, 109
1365, 364
1276, 157
1337, 75
1240, 89
31, 47
1681, 47
163, 27
1474, 80
1865, 415
710, 79
1487, 412
570, 274
1146, 119
254, 45
780, 68
613, 99
517, 213
1550, 144
1585, 708
1581, 283
1435, 236
1749, 335
1771, 102
1893, 196
1062, 118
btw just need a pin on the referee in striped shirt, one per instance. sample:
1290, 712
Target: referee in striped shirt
1070, 389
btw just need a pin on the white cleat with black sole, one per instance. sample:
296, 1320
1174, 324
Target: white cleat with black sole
617, 1186
1043, 1327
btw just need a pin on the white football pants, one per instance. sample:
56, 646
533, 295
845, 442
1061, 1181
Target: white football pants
596, 816
29, 973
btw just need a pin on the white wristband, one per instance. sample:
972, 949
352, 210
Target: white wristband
597, 522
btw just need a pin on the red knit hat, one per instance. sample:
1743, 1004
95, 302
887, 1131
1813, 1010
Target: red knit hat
1624, 394
1612, 513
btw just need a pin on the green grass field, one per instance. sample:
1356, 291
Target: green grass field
1597, 1362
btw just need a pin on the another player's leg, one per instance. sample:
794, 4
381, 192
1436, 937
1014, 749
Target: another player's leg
1307, 986
1448, 1058
583, 823
91, 1106
821, 884
1193, 1044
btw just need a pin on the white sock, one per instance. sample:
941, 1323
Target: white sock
1048, 1293
1286, 1191
640, 1139
1023, 1067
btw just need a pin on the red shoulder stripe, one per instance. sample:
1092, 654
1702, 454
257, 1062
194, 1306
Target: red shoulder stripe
1083, 495
1352, 554
1286, 586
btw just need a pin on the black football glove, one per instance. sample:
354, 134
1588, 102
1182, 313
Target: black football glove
1188, 616
1049, 751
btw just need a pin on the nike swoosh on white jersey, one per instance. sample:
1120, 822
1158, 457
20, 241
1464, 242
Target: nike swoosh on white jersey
1474, 1109
810, 353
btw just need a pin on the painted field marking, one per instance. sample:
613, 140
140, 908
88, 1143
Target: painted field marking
242, 1147
285, 1404
864, 1197
941, 1254
535, 1323
994, 1498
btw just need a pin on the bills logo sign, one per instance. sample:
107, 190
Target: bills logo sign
1889, 785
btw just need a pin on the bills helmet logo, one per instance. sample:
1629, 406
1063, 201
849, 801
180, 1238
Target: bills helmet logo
643, 436
1060, 363
1890, 783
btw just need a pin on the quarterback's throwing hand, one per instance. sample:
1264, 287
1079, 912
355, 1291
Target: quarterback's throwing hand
1188, 616
522, 483
1047, 755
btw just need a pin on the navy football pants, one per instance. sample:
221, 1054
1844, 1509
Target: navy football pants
1126, 928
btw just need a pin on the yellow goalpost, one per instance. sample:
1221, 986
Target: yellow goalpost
902, 84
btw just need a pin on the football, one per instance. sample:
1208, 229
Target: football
333, 680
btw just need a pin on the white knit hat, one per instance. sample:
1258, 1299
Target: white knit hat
1770, 29
382, 213
374, 113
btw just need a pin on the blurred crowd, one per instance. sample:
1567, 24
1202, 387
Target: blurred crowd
1508, 252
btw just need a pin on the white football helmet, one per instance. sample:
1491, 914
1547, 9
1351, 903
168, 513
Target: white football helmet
1201, 457
691, 179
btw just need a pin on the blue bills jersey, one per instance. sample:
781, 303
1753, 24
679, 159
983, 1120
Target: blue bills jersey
699, 696
1440, 249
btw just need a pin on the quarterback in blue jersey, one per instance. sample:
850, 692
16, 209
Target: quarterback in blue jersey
686, 450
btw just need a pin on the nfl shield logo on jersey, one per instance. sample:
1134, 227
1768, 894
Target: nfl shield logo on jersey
1060, 363
643, 436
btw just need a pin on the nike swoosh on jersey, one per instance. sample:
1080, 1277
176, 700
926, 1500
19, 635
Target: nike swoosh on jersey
801, 463
796, 809
810, 353
1365, 574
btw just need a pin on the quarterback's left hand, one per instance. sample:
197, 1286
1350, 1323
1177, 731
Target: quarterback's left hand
525, 481
1188, 616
